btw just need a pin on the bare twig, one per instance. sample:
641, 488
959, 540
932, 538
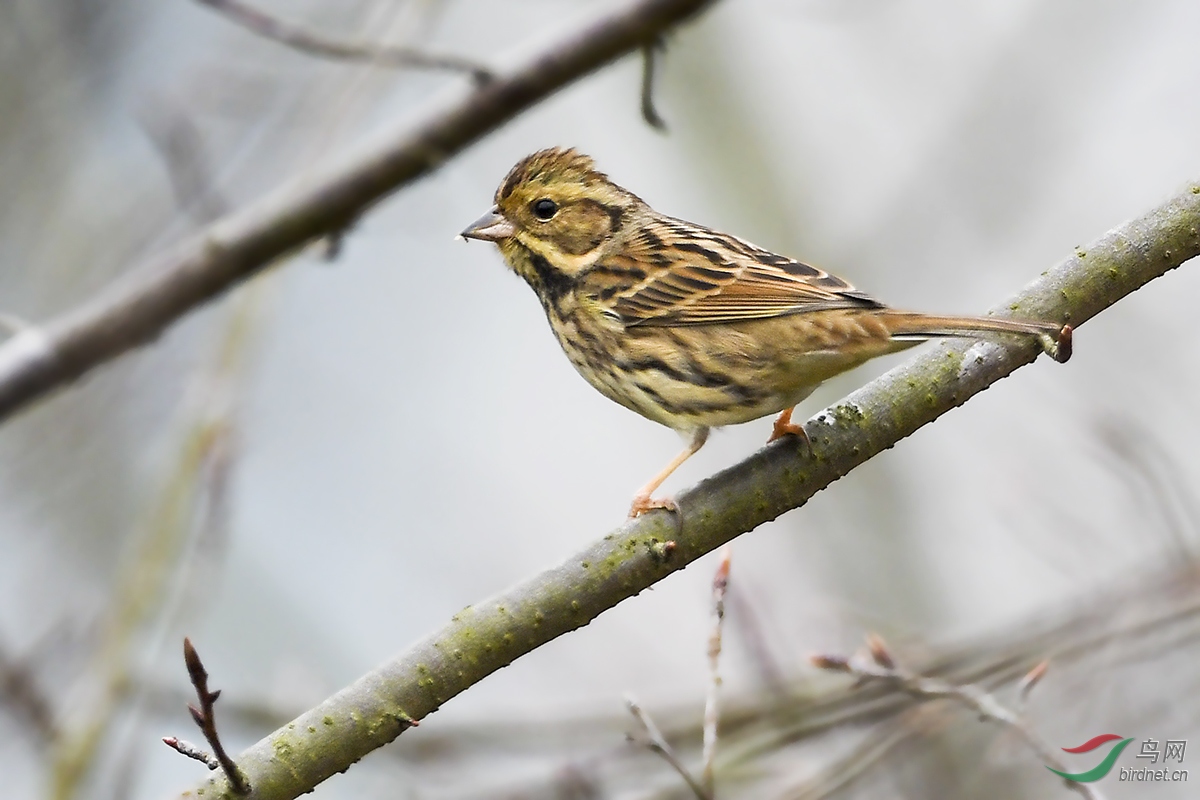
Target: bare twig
878, 664
190, 750
207, 722
655, 741
138, 308
712, 711
650, 51
300, 38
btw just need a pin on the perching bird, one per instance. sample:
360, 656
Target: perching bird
687, 326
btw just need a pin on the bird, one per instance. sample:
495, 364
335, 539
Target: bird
690, 327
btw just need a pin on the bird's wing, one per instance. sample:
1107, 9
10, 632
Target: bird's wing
684, 274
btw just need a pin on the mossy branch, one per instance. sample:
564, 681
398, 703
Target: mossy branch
480, 640
40, 359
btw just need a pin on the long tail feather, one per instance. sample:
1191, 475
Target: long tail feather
1054, 338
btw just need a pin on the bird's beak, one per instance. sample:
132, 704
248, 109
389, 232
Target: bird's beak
491, 227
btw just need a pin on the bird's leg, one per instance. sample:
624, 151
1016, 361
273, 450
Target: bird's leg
643, 502
785, 427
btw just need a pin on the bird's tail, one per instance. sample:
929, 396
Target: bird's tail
1055, 339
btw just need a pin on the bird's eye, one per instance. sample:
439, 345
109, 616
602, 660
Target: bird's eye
545, 208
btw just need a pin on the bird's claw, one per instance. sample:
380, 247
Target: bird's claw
785, 427
644, 502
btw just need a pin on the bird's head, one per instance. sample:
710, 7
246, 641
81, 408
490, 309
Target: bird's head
555, 205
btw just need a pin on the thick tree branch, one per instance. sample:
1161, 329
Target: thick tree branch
40, 359
480, 640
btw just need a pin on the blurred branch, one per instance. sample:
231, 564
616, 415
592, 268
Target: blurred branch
189, 169
189, 511
878, 664
306, 41
843, 771
480, 640
1152, 478
655, 741
184, 511
19, 689
712, 712
754, 639
650, 51
135, 310
653, 738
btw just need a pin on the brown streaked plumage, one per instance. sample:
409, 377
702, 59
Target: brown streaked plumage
687, 326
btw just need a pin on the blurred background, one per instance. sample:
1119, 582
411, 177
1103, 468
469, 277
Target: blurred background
328, 463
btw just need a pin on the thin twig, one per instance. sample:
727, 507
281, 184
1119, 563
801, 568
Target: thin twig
878, 664
656, 742
207, 721
650, 51
712, 711
190, 750
307, 41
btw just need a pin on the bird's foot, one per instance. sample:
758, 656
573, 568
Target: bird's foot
785, 427
644, 502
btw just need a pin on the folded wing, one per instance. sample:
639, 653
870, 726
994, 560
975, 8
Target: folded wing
685, 274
